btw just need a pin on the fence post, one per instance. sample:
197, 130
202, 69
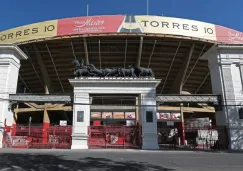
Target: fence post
105, 137
89, 132
124, 136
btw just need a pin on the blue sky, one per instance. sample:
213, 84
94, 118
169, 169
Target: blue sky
15, 13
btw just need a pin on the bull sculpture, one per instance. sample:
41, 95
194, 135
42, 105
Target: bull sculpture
81, 70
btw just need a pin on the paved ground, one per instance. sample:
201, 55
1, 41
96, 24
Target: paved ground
118, 160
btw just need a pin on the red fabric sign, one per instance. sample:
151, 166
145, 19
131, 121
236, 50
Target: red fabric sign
227, 35
89, 25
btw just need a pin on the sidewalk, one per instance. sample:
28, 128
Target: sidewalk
188, 148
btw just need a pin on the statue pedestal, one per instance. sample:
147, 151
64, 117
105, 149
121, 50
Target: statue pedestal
145, 89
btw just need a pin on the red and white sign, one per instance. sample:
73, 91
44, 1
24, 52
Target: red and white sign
227, 35
168, 116
89, 25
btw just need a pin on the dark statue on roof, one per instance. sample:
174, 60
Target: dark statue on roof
81, 70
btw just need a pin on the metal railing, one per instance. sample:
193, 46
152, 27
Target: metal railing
38, 137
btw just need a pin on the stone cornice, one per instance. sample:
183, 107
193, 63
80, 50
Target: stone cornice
14, 49
115, 80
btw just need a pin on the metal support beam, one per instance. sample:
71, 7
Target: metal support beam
24, 83
194, 64
152, 53
54, 68
35, 106
208, 88
172, 62
44, 98
44, 108
30, 105
125, 60
33, 66
138, 63
99, 55
73, 50
205, 78
174, 98
187, 109
62, 99
86, 52
179, 79
45, 76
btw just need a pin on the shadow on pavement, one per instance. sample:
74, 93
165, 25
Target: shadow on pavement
44, 162
199, 150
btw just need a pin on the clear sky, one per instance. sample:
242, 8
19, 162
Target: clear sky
15, 13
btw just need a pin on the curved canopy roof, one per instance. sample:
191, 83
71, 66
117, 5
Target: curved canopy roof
170, 46
120, 24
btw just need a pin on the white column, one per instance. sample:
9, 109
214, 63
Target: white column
10, 57
226, 79
148, 120
81, 120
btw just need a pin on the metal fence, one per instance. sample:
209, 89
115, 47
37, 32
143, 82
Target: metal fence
38, 137
207, 138
114, 137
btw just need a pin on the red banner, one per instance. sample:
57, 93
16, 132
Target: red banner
88, 25
227, 35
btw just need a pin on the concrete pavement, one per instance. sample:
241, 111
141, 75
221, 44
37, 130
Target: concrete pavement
118, 160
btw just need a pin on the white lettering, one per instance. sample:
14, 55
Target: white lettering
89, 22
235, 36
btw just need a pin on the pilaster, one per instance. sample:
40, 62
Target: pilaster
148, 120
81, 120
10, 57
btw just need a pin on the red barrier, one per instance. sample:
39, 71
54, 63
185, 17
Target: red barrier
38, 137
114, 137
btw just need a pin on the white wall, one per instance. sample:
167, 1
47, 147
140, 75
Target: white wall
9, 69
225, 64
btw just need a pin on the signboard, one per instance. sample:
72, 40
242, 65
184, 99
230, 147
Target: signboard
63, 123
170, 123
122, 24
29, 32
95, 115
130, 115
19, 141
118, 115
229, 36
113, 115
177, 26
130, 122
197, 123
168, 116
88, 25
80, 116
149, 116
106, 115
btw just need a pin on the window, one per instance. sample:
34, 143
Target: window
149, 116
240, 113
80, 116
